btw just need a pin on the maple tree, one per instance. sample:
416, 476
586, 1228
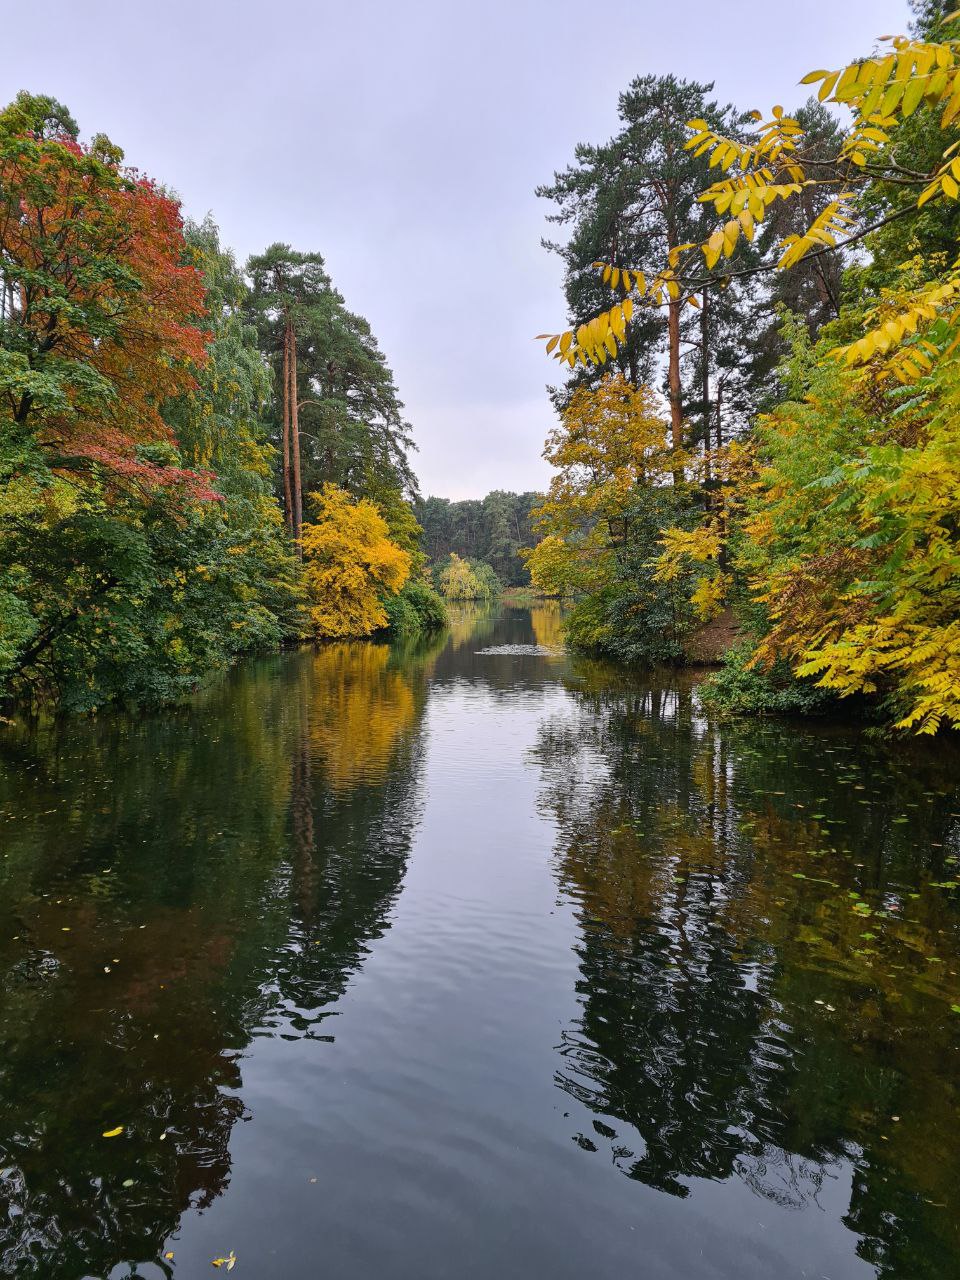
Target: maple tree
137, 534
99, 310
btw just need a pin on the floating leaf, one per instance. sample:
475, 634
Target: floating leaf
113, 1133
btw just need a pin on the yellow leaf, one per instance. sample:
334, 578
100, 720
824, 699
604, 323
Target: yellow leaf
828, 86
950, 187
113, 1133
891, 97
229, 1262
553, 342
913, 96
928, 194
813, 76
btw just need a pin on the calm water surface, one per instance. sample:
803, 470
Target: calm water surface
444, 962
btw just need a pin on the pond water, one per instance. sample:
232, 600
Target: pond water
473, 960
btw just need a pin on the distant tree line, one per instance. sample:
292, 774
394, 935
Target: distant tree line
493, 530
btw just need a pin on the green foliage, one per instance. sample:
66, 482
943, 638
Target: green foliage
740, 688
486, 576
353, 432
634, 616
417, 609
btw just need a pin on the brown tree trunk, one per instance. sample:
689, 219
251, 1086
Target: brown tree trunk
673, 382
673, 373
287, 490
295, 446
719, 416
705, 376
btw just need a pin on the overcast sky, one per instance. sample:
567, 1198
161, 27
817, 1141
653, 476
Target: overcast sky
403, 140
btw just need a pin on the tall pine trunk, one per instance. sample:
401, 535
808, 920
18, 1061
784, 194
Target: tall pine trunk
295, 446
673, 382
287, 489
673, 373
705, 378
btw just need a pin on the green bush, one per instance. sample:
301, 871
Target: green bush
415, 609
739, 689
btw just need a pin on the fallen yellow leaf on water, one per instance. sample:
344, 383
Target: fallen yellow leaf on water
230, 1261
113, 1133
169, 1256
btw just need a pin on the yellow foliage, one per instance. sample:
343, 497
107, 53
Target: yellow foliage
611, 441
349, 561
363, 709
459, 582
880, 92
731, 470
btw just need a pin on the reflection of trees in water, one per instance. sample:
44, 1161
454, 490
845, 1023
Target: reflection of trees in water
546, 619
700, 1049
173, 885
366, 705
472, 622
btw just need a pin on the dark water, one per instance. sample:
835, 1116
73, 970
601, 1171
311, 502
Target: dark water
441, 963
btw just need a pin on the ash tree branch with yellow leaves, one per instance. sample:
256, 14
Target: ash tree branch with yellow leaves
880, 92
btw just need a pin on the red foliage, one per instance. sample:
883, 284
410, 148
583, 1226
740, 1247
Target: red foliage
98, 256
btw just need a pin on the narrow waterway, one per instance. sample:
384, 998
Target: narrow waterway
472, 960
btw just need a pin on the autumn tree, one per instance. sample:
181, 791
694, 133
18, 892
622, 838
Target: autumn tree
99, 328
139, 545
599, 523
461, 579
99, 322
349, 564
853, 531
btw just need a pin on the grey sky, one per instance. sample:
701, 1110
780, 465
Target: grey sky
403, 141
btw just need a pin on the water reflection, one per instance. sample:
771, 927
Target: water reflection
169, 889
725, 1048
769, 955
